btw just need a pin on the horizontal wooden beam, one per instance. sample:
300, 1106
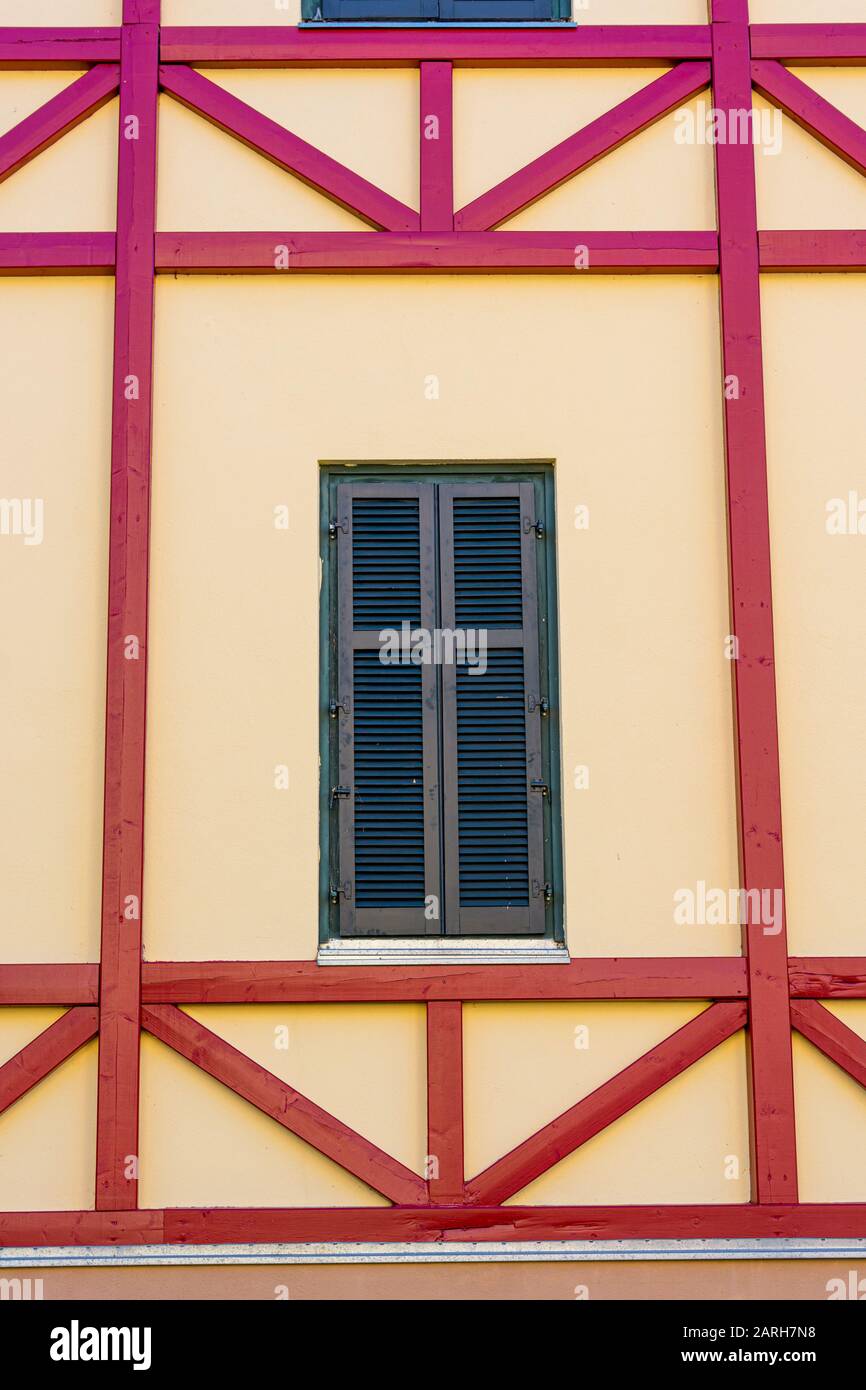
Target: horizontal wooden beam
515, 1170
49, 984
39, 1057
825, 44
561, 252
46, 125
314, 168
813, 250
245, 1225
271, 982
589, 45
57, 48
284, 1104
831, 1036
812, 112
622, 123
827, 977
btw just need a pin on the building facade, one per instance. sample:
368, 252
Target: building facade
433, 541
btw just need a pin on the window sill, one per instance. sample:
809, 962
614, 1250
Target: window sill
442, 950
437, 24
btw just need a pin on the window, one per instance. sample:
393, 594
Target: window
431, 11
440, 797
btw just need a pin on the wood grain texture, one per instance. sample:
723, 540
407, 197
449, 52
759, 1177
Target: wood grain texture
57, 48
445, 1101
833, 1037
49, 984
52, 120
812, 112
39, 1057
579, 151
828, 977
830, 44
284, 1104
436, 152
812, 250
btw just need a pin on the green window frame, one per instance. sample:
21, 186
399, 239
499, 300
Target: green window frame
435, 11
454, 852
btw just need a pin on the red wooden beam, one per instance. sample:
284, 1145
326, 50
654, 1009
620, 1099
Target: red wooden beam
833, 1037
436, 147
600, 252
596, 1111
825, 44
53, 119
244, 1225
117, 1110
53, 1046
582, 149
759, 806
263, 982
812, 112
49, 984
57, 48
813, 250
589, 45
445, 1101
284, 1104
62, 253
828, 977
287, 151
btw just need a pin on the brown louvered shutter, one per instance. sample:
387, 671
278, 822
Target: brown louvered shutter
388, 791
492, 765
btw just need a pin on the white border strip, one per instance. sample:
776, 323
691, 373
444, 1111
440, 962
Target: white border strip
442, 950
433, 1252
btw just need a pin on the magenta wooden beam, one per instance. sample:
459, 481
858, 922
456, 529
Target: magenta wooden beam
62, 253
774, 1170
589, 45
49, 984
126, 685
57, 48
812, 112
579, 151
828, 977
609, 1102
261, 982
831, 1036
436, 135
824, 44
284, 1104
287, 151
445, 1101
590, 252
52, 120
813, 250
53, 1046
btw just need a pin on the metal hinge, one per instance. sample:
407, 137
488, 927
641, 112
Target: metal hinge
339, 791
537, 785
336, 705
337, 890
542, 889
536, 526
335, 526
542, 705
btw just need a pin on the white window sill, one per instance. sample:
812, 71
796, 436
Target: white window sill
442, 950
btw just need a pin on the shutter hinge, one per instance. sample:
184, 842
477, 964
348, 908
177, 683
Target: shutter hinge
544, 890
537, 785
335, 526
339, 791
542, 705
336, 705
336, 889
536, 526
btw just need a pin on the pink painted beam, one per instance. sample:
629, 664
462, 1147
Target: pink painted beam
293, 252
579, 151
828, 977
123, 821
57, 48
825, 44
61, 253
141, 11
284, 1104
49, 984
53, 1046
609, 1102
774, 1166
813, 250
812, 113
589, 45
436, 148
445, 1101
287, 151
52, 120
831, 1036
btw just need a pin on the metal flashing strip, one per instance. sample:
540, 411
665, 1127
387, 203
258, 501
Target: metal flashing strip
439, 1252
442, 950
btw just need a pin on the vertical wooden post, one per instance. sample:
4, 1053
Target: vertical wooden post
120, 970
437, 148
445, 1101
774, 1159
